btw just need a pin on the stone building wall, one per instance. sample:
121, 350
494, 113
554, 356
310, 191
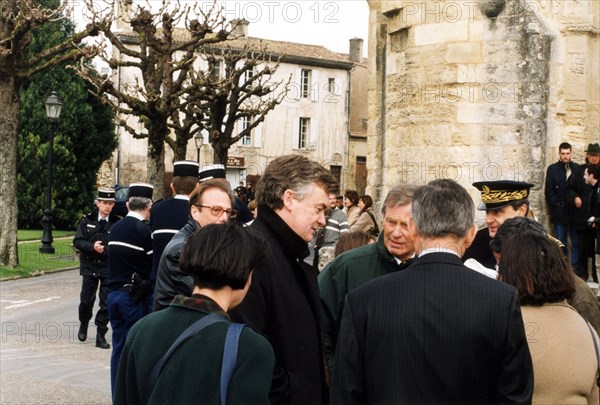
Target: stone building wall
479, 90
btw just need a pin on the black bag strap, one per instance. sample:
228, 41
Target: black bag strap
373, 219
597, 352
191, 330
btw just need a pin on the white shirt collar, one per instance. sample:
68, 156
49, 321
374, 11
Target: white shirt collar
438, 250
135, 215
181, 197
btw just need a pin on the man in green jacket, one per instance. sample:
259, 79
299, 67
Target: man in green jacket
392, 252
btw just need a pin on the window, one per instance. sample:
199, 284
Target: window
331, 85
305, 77
304, 133
216, 69
337, 172
246, 139
248, 74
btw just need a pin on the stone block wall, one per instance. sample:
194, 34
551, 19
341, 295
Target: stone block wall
478, 90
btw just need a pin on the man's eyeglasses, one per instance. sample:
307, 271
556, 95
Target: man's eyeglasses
217, 210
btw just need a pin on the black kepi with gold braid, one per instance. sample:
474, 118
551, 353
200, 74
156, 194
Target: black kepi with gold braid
499, 194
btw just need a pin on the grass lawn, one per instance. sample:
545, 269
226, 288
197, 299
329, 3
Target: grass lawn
33, 263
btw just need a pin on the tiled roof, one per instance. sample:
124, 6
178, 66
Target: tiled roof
292, 52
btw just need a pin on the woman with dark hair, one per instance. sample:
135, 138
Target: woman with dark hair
565, 362
366, 220
352, 240
220, 258
351, 208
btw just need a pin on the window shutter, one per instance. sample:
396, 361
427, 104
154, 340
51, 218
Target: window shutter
295, 132
314, 128
316, 87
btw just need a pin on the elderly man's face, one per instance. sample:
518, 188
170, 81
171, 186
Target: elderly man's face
593, 159
395, 232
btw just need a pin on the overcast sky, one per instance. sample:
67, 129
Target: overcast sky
317, 22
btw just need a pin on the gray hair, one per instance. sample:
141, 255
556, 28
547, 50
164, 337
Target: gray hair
293, 172
138, 203
401, 194
443, 207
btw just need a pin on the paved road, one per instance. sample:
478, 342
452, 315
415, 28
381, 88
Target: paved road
41, 360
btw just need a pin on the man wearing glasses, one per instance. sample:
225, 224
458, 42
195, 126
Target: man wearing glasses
209, 204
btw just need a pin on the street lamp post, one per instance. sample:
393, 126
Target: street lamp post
199, 141
53, 106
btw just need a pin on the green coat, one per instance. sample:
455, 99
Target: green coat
192, 375
347, 272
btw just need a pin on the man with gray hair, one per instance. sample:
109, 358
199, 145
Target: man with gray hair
391, 253
283, 300
436, 332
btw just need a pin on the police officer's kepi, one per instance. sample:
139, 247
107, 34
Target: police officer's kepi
212, 172
141, 190
185, 168
499, 194
106, 194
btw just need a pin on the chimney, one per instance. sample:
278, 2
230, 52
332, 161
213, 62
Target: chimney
240, 27
356, 49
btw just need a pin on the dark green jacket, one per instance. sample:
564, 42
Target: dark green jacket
347, 272
192, 375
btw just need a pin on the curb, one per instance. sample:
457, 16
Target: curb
38, 274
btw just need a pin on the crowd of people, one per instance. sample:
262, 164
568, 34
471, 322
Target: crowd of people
213, 296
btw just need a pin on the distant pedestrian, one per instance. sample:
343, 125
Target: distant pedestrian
91, 239
351, 207
560, 192
352, 240
366, 220
326, 237
436, 332
129, 266
221, 260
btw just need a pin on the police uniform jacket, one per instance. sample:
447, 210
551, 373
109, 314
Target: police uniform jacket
345, 273
167, 217
129, 251
283, 305
88, 232
192, 375
170, 281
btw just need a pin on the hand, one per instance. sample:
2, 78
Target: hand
578, 202
98, 248
591, 219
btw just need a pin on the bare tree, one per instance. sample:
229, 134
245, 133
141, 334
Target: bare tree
163, 57
17, 20
245, 92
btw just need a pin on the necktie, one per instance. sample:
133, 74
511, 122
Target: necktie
102, 224
568, 170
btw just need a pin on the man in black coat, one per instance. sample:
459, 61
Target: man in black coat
436, 332
283, 300
91, 239
560, 199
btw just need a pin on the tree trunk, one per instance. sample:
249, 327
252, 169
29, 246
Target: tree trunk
9, 130
156, 159
221, 152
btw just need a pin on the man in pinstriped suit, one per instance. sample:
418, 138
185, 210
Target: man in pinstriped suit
436, 332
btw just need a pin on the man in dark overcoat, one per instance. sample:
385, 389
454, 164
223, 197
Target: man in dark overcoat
283, 300
436, 332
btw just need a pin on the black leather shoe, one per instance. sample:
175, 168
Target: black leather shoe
82, 335
101, 342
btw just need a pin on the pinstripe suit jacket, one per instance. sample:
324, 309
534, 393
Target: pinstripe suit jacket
436, 332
